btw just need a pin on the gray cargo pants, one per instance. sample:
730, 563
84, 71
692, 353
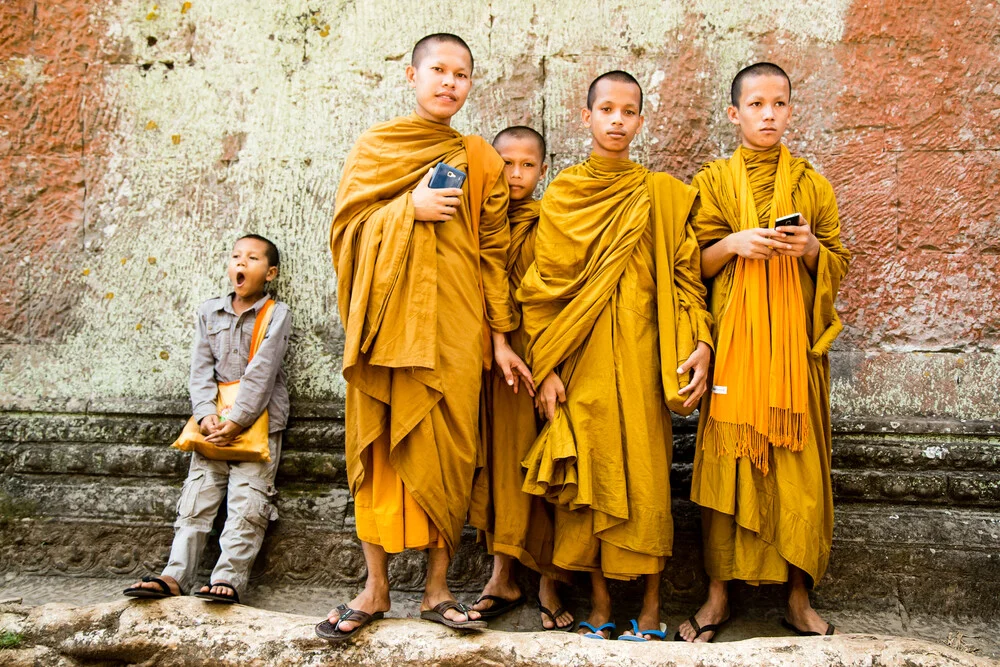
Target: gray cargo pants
249, 488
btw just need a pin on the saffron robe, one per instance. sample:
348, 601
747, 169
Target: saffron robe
759, 523
412, 298
512, 522
613, 303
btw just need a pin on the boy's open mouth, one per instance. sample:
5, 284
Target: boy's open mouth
240, 279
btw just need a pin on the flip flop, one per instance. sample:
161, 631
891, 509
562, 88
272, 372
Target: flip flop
327, 630
595, 633
219, 597
806, 633
552, 617
437, 616
640, 635
499, 607
148, 593
698, 630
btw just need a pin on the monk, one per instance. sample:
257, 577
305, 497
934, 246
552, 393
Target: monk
514, 524
762, 465
615, 313
422, 291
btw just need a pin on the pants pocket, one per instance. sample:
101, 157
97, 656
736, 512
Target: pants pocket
188, 500
260, 508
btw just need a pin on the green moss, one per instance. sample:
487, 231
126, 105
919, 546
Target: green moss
10, 639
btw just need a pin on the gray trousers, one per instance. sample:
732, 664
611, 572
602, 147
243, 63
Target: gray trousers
249, 489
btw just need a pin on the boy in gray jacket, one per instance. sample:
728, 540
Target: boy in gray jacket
221, 351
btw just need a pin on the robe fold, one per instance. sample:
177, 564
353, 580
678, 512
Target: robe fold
760, 523
412, 298
512, 522
613, 303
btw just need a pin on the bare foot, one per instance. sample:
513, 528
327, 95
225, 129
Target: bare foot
175, 588
501, 585
549, 598
369, 600
218, 590
647, 620
714, 611
434, 598
806, 619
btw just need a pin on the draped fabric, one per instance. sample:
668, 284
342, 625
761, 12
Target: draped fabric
613, 303
512, 522
757, 524
412, 297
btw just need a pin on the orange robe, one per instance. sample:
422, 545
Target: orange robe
760, 523
412, 299
513, 523
613, 303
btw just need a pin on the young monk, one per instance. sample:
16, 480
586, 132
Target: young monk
516, 525
418, 270
614, 309
762, 467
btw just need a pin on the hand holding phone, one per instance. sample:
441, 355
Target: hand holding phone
791, 220
437, 204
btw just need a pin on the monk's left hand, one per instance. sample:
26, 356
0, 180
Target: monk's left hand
800, 239
226, 434
515, 371
697, 362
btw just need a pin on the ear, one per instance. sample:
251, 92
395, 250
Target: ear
411, 72
272, 273
734, 115
585, 114
642, 121
544, 170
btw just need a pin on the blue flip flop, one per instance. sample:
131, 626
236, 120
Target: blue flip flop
640, 635
595, 633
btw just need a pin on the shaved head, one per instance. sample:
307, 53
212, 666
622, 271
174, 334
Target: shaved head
614, 75
757, 69
421, 48
273, 257
521, 132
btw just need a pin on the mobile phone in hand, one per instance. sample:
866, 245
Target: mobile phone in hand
444, 176
790, 220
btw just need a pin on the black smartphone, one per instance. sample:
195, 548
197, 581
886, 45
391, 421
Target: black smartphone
444, 176
791, 220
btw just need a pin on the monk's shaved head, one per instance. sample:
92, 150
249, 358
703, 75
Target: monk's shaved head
521, 132
614, 75
757, 69
421, 48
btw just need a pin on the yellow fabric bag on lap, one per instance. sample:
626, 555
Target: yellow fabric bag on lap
252, 443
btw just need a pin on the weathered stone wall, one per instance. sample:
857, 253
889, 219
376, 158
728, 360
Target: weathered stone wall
137, 139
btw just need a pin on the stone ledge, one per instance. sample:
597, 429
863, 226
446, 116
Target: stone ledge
186, 631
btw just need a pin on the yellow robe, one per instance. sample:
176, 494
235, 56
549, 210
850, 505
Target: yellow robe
412, 308
614, 303
759, 523
512, 522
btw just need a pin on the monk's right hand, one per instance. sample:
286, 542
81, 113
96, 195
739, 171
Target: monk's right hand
549, 394
434, 204
209, 424
757, 243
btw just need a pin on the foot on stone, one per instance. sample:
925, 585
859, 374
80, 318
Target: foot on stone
366, 601
597, 618
550, 600
432, 600
805, 619
218, 590
711, 613
647, 621
175, 588
501, 588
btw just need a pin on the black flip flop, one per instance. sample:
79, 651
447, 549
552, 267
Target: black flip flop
698, 630
328, 631
219, 597
437, 616
148, 593
552, 616
806, 633
499, 607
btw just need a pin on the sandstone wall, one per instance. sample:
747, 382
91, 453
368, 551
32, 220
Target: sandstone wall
138, 139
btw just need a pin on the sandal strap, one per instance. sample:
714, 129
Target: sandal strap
354, 615
222, 584
164, 586
442, 607
829, 629
694, 624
